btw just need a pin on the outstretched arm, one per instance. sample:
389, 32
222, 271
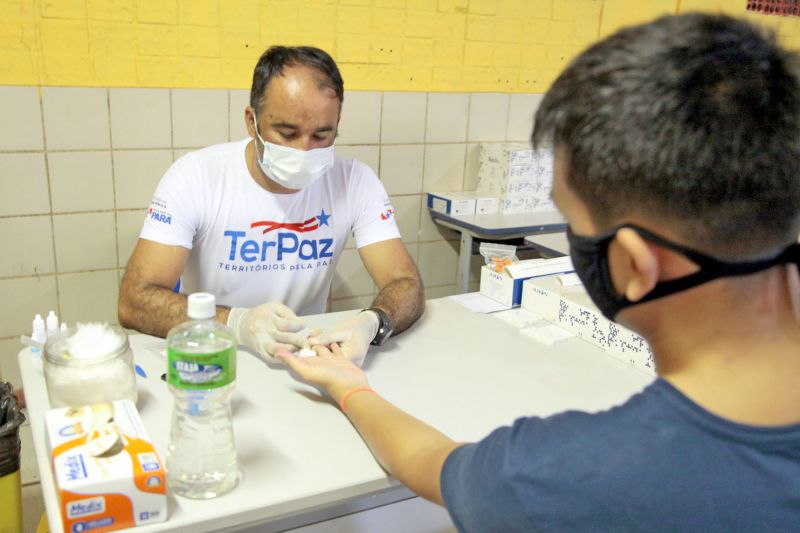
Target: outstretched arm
409, 449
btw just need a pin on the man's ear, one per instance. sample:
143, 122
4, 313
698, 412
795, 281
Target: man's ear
249, 121
643, 266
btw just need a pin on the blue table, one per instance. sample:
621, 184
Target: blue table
497, 226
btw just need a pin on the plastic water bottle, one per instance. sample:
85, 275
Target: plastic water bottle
201, 356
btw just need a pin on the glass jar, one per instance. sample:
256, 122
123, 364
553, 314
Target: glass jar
83, 366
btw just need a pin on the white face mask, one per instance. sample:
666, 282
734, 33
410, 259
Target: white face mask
292, 168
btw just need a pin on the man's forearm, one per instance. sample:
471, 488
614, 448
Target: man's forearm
409, 449
403, 299
156, 310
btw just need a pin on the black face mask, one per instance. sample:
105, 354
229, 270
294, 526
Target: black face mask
590, 258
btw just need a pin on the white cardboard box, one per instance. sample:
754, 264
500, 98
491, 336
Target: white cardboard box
573, 310
463, 203
487, 205
452, 203
107, 472
506, 286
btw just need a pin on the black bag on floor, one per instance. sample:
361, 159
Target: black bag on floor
11, 418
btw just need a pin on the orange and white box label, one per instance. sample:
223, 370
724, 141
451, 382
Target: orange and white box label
107, 472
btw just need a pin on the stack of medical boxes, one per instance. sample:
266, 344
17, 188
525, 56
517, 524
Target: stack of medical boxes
519, 176
569, 306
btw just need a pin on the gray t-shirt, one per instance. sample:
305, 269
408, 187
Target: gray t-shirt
659, 462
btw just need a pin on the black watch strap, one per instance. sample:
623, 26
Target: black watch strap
385, 326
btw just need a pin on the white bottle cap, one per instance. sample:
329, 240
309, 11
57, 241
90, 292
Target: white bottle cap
202, 305
52, 323
38, 332
38, 324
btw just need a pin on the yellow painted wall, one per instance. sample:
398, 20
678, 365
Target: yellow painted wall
414, 45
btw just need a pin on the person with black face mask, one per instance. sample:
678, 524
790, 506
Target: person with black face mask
677, 149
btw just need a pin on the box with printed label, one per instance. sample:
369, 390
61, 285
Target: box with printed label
107, 472
506, 286
573, 310
452, 203
486, 205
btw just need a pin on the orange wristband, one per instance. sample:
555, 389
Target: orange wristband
343, 401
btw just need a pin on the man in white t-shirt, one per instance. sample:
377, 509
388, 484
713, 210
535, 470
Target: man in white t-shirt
261, 223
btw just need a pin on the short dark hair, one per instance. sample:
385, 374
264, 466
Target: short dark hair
276, 58
691, 119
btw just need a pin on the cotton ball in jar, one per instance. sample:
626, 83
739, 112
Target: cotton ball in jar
90, 363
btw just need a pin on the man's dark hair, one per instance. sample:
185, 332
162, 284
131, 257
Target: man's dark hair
276, 58
693, 120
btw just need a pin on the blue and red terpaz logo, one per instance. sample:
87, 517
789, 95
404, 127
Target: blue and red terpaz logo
387, 214
285, 246
301, 227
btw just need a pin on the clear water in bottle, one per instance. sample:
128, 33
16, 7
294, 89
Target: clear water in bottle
201, 373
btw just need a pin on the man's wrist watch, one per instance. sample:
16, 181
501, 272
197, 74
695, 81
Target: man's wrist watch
385, 326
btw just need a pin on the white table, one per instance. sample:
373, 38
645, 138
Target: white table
462, 372
496, 226
550, 244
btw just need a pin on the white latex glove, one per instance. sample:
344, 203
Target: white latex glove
354, 335
268, 327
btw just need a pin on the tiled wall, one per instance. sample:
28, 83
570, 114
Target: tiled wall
78, 167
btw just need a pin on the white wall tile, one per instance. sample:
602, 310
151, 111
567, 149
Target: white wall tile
22, 298
360, 122
351, 277
365, 153
431, 231
447, 117
520, 116
180, 152
199, 117
85, 242
438, 262
129, 225
471, 167
27, 245
440, 291
444, 167
488, 117
401, 168
140, 118
75, 118
9, 366
407, 212
403, 118
89, 296
21, 127
137, 173
238, 100
23, 184
80, 181
348, 304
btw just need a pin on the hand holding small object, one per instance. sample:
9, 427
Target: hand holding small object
354, 334
267, 328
